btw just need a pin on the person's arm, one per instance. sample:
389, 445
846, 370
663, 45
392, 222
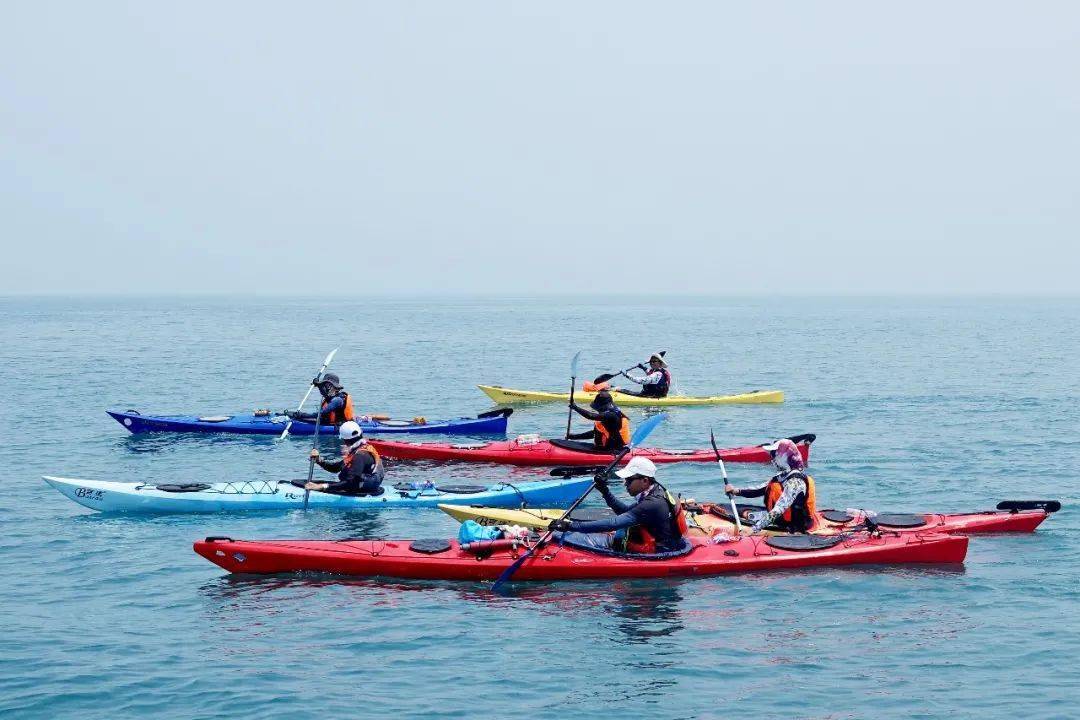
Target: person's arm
333, 466
620, 521
792, 488
587, 435
617, 505
752, 491
585, 413
652, 378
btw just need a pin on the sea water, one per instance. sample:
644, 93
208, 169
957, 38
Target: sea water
919, 404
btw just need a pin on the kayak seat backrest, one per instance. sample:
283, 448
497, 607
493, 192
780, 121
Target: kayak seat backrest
430, 546
724, 511
836, 516
461, 489
188, 487
899, 520
686, 549
577, 446
803, 543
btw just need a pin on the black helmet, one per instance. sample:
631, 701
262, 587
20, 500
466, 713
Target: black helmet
602, 400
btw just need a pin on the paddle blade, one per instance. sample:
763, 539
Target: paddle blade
574, 364
603, 378
643, 430
509, 572
330, 357
712, 441
1050, 506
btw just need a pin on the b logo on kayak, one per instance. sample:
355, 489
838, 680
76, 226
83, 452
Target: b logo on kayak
89, 494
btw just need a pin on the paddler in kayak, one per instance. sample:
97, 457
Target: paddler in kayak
790, 496
657, 380
337, 405
360, 469
611, 430
653, 523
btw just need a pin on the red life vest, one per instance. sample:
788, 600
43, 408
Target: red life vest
346, 413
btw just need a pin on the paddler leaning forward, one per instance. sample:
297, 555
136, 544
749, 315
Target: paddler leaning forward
653, 523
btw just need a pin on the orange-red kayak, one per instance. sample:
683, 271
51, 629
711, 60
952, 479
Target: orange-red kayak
446, 560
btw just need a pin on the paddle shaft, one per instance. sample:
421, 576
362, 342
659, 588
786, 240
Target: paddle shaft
311, 459
723, 472
607, 376
643, 431
570, 407
509, 572
573, 382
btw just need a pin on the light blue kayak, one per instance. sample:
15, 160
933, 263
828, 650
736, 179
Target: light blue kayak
110, 496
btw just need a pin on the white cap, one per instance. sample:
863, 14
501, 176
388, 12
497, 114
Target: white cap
638, 466
350, 432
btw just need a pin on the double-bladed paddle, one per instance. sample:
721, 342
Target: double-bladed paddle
326, 363
573, 381
607, 376
723, 471
642, 432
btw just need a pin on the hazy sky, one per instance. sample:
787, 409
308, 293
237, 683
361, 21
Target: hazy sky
700, 147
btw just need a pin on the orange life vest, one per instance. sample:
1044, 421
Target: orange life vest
639, 540
377, 472
603, 436
346, 413
800, 516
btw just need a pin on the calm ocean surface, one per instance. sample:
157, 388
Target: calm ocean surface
919, 404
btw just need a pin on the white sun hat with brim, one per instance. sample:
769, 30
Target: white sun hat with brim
638, 466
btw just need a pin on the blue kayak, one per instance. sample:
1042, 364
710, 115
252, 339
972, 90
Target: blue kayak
250, 495
489, 423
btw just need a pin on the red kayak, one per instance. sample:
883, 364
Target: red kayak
446, 560
533, 451
1011, 516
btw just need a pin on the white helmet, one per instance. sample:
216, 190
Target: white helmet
350, 432
638, 466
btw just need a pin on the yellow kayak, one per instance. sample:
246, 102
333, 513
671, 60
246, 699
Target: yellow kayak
538, 518
509, 396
